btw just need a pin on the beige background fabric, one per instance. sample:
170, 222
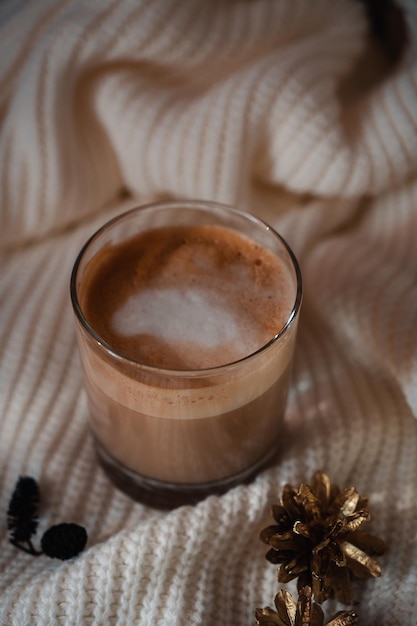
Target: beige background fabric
287, 109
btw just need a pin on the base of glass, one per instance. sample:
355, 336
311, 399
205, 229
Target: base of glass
163, 495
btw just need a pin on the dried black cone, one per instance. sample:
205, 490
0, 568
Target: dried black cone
22, 515
64, 541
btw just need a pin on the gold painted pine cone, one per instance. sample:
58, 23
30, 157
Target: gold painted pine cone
304, 613
316, 538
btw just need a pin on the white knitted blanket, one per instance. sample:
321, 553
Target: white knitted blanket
285, 108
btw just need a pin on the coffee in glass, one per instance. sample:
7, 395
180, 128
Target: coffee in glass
186, 317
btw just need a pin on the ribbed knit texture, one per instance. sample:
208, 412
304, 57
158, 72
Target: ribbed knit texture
287, 109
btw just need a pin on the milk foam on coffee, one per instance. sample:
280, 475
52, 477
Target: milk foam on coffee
195, 318
187, 297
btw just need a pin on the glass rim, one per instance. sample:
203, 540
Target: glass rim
196, 205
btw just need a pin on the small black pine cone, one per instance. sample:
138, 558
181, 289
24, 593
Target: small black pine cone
22, 515
64, 541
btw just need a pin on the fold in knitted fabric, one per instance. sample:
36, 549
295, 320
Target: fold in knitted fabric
290, 110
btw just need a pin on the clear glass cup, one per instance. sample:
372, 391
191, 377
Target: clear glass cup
169, 437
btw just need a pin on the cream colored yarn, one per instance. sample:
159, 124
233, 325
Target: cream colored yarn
284, 108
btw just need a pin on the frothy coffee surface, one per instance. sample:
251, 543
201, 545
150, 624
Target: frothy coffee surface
187, 297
